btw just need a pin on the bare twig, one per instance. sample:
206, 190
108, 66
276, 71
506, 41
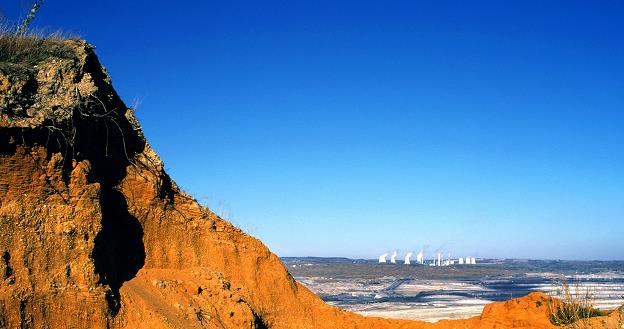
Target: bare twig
23, 27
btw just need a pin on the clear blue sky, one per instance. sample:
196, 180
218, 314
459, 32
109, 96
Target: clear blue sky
348, 128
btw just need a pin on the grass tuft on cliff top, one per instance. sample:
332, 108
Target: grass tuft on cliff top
31, 48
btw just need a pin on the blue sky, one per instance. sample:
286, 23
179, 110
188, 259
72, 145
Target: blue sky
349, 128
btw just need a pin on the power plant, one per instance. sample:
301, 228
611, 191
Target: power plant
436, 260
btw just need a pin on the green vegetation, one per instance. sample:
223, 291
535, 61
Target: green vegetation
574, 308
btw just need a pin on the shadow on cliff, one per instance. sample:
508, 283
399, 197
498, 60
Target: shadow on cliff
119, 252
109, 141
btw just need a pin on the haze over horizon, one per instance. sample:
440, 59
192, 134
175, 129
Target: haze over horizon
355, 128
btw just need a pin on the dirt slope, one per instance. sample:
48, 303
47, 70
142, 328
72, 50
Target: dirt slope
95, 234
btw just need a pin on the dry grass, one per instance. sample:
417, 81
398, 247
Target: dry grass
574, 309
31, 48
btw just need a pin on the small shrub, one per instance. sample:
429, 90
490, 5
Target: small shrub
574, 308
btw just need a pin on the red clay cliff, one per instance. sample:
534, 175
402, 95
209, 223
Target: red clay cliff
95, 234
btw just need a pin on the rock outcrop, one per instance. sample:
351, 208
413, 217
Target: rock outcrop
95, 234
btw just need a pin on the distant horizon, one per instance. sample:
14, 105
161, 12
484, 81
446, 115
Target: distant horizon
356, 127
400, 261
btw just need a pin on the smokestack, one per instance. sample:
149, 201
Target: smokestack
393, 258
382, 258
420, 258
407, 258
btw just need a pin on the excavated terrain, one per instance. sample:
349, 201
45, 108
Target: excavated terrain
95, 234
